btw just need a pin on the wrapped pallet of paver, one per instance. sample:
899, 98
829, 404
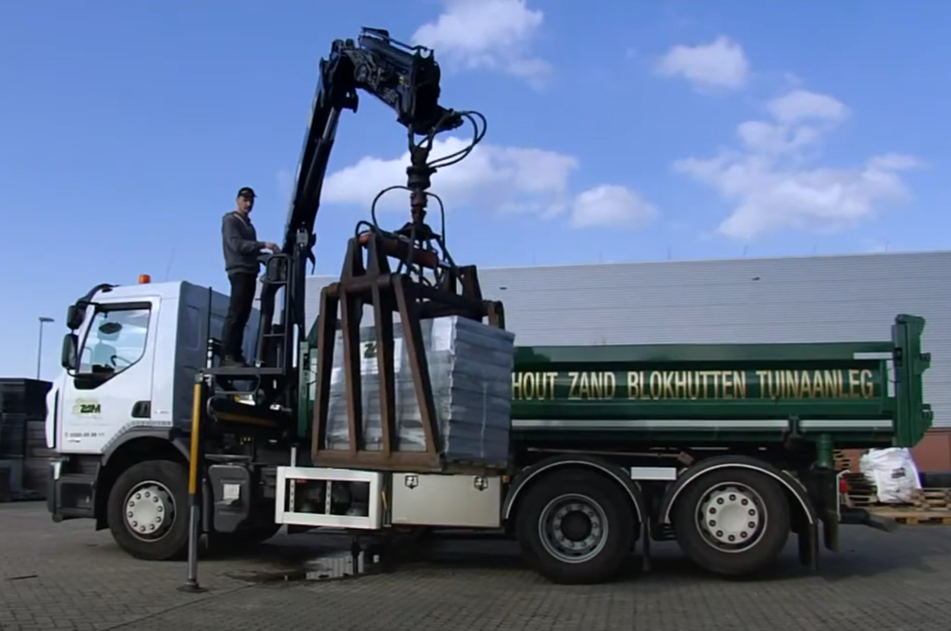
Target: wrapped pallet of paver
470, 369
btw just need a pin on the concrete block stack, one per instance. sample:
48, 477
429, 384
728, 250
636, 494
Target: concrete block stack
24, 458
470, 368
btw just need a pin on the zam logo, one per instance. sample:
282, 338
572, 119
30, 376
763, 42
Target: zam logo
87, 408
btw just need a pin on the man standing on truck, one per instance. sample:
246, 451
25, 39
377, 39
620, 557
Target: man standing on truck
241, 250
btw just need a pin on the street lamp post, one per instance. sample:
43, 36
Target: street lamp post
39, 347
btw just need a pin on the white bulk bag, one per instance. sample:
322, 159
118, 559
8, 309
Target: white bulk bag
893, 472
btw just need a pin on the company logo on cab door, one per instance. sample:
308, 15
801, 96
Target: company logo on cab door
87, 407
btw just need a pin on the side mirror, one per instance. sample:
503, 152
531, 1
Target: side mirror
75, 316
68, 355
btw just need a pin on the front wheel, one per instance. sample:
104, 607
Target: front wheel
148, 510
576, 527
733, 522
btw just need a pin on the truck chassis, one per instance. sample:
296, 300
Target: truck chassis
577, 517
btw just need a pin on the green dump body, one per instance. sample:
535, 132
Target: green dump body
842, 395
864, 394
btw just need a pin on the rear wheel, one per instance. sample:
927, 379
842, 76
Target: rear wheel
576, 527
733, 522
148, 510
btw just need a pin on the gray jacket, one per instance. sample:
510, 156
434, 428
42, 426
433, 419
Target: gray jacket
240, 243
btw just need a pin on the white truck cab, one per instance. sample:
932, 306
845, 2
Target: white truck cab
130, 359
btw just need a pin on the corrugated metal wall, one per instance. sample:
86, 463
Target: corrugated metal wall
808, 299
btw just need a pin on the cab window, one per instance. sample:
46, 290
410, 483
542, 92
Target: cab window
114, 341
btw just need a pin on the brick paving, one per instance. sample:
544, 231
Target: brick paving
65, 576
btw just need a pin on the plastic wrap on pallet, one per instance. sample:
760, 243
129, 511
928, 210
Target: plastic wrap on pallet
893, 472
470, 368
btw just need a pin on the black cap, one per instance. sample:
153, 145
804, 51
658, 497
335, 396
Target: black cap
247, 192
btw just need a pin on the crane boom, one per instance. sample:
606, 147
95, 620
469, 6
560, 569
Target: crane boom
406, 79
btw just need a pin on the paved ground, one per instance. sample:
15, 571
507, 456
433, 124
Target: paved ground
64, 576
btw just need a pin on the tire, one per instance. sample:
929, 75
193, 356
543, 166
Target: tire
606, 503
753, 549
165, 483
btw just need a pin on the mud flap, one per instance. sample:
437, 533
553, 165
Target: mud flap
646, 560
826, 495
809, 546
830, 530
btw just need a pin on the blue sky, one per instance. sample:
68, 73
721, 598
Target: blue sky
617, 132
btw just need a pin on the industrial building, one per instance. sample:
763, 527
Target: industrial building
794, 299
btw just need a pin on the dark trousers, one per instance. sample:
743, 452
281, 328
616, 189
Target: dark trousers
243, 286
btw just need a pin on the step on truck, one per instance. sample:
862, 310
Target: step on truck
407, 406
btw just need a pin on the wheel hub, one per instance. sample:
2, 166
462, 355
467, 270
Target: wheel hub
576, 525
573, 528
731, 517
149, 511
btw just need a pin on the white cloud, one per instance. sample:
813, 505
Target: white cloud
800, 105
772, 186
515, 179
895, 162
493, 34
494, 178
721, 64
610, 205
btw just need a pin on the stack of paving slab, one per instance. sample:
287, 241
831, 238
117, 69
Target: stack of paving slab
470, 368
24, 457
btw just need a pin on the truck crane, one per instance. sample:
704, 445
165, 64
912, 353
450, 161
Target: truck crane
407, 80
726, 449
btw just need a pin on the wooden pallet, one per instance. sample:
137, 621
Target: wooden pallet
861, 491
841, 461
913, 517
862, 495
864, 501
858, 482
933, 499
